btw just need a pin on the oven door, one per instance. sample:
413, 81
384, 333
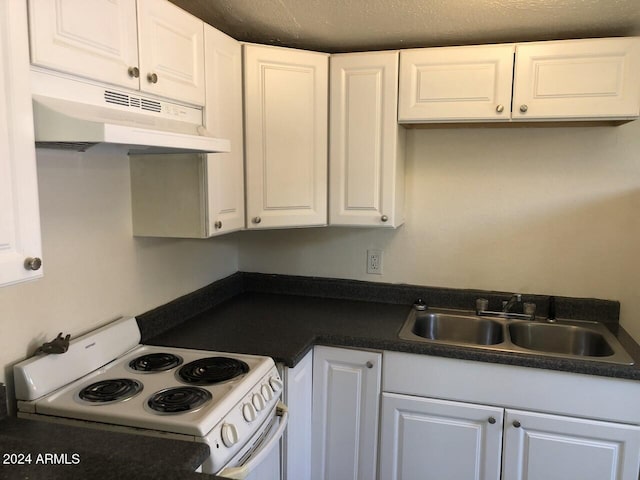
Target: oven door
262, 461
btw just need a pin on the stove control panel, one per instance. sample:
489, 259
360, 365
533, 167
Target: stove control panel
231, 437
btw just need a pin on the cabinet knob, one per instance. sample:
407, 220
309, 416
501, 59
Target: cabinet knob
384, 218
152, 78
256, 220
369, 364
492, 420
218, 225
32, 263
523, 108
500, 108
134, 72
516, 423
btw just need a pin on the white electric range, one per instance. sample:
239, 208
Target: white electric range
106, 379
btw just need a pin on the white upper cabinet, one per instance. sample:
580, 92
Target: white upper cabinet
366, 157
223, 114
198, 196
151, 45
590, 79
577, 79
20, 248
286, 96
456, 84
171, 48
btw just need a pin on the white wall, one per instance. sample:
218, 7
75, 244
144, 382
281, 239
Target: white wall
95, 270
533, 210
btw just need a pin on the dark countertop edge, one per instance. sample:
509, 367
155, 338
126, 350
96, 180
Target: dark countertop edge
118, 454
607, 311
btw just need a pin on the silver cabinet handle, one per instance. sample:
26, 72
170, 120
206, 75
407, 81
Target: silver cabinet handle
256, 220
152, 78
32, 263
384, 218
134, 72
516, 423
369, 364
492, 420
500, 108
218, 225
523, 108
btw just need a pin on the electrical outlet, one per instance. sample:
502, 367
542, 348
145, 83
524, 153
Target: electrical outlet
374, 262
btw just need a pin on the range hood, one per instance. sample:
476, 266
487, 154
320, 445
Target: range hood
73, 114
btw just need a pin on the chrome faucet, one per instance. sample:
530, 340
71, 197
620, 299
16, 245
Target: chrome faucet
515, 298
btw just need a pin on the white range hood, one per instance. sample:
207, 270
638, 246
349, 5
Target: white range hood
72, 114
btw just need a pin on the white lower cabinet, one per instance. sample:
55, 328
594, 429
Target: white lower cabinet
346, 392
298, 387
448, 419
552, 447
425, 438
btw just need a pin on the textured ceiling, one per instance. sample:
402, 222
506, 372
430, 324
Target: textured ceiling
352, 25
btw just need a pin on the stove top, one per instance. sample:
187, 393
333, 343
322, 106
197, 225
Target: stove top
161, 399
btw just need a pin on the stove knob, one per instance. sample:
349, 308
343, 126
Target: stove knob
276, 384
248, 412
229, 434
258, 401
267, 393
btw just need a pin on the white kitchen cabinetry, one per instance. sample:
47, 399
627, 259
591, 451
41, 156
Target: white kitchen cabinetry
551, 447
297, 395
151, 45
587, 79
456, 84
346, 392
198, 196
286, 93
558, 425
366, 158
20, 248
577, 79
429, 438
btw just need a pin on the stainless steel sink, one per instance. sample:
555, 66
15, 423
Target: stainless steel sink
458, 329
567, 339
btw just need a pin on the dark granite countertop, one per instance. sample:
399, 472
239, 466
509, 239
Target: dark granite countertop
259, 318
90, 453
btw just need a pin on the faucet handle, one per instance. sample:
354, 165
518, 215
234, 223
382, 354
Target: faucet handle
482, 305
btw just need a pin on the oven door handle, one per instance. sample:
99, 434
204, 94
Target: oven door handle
241, 472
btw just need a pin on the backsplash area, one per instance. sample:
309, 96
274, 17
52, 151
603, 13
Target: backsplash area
167, 316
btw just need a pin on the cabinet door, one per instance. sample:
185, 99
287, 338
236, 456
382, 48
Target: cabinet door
96, 39
577, 79
346, 391
550, 447
454, 84
223, 113
366, 143
298, 383
285, 137
425, 438
171, 48
19, 210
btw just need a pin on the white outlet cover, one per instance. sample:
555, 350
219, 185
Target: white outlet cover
374, 262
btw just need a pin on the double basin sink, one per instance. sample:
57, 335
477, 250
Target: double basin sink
567, 339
